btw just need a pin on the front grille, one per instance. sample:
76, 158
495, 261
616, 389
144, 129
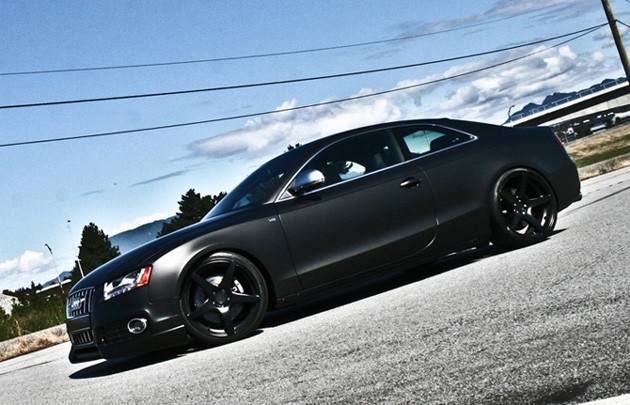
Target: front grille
82, 338
79, 303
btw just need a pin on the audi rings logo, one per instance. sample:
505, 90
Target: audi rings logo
76, 303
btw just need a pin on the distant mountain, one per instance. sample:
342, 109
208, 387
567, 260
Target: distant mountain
135, 237
63, 276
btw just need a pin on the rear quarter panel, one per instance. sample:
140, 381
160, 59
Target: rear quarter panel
463, 177
532, 147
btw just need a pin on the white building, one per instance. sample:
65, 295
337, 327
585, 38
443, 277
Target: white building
7, 302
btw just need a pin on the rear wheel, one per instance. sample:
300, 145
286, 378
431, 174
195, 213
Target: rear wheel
223, 299
523, 209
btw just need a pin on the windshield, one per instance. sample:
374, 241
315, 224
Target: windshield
257, 187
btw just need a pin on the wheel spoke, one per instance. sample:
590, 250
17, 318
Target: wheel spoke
207, 286
542, 200
244, 298
533, 222
228, 326
228, 277
507, 196
202, 310
516, 220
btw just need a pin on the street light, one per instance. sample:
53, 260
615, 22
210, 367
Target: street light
56, 269
509, 113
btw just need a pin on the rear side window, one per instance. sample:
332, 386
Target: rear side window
418, 141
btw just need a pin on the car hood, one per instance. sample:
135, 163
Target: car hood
151, 251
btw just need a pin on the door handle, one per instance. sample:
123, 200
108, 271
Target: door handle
410, 182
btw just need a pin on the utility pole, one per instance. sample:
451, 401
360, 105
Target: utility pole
617, 38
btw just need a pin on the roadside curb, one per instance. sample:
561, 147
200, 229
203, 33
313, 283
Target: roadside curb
604, 167
33, 341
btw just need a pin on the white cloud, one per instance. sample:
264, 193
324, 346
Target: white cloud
275, 132
37, 267
510, 7
139, 222
28, 262
605, 36
488, 94
504, 9
485, 96
30, 266
9, 266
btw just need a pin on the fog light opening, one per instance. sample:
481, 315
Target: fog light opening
137, 325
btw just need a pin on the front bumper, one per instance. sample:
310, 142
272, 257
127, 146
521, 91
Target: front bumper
103, 332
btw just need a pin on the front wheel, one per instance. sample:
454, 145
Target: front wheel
224, 298
523, 209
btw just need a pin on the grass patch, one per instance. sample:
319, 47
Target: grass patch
600, 157
32, 325
600, 147
37, 314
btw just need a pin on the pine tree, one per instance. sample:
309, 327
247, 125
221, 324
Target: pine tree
192, 207
291, 147
95, 250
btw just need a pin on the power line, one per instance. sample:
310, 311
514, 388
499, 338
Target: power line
302, 107
623, 23
298, 80
258, 56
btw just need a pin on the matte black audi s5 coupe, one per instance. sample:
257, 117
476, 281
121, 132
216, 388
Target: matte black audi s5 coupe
322, 216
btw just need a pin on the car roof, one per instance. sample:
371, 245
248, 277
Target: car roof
461, 125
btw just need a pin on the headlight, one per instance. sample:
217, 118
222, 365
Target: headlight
127, 283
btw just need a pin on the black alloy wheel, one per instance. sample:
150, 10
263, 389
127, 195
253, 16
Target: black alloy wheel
524, 209
223, 299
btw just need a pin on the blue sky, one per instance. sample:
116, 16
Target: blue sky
49, 191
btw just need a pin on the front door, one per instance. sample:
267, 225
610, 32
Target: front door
372, 210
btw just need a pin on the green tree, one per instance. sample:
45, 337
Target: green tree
192, 207
95, 250
35, 311
6, 326
24, 294
291, 147
38, 311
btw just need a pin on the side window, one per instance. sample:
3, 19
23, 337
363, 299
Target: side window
419, 141
355, 156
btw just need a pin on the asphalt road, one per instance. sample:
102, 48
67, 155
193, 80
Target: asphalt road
544, 324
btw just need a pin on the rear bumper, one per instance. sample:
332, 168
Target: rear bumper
566, 184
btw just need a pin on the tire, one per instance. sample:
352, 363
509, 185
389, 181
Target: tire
223, 299
523, 209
